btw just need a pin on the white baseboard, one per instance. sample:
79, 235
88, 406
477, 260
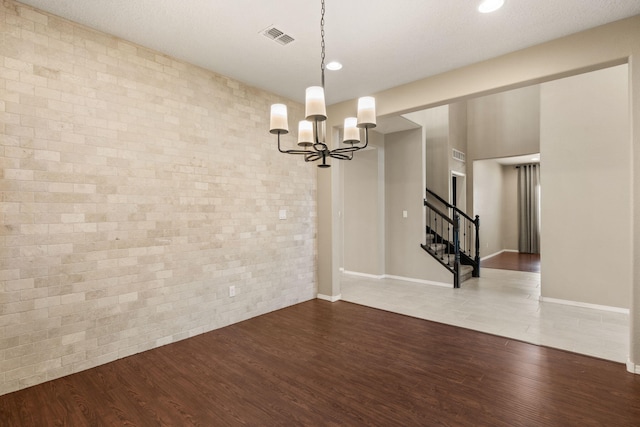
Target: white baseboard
370, 276
632, 367
405, 279
498, 253
333, 298
421, 281
585, 305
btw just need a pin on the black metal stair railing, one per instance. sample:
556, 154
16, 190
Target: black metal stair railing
452, 236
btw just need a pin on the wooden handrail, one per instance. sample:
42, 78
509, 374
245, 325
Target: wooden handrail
440, 199
450, 206
439, 212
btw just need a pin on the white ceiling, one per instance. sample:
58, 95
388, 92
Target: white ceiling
382, 44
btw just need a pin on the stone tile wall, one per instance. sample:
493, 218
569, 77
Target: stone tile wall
135, 190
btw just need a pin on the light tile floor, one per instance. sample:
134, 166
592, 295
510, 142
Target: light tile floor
501, 302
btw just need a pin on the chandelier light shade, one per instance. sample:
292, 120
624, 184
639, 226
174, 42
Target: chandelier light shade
311, 132
314, 104
305, 133
279, 120
351, 131
367, 111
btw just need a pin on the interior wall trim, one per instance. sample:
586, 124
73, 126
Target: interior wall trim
330, 298
370, 276
498, 253
403, 278
585, 305
424, 282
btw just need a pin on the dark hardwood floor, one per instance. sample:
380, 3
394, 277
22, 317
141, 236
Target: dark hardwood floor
513, 261
340, 364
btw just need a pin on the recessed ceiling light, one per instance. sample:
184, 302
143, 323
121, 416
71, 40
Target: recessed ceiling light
334, 66
488, 6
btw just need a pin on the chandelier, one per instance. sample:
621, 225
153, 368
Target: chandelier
312, 131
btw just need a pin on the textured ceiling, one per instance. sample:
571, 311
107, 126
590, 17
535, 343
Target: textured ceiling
382, 44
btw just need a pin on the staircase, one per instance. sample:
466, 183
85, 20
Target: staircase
452, 238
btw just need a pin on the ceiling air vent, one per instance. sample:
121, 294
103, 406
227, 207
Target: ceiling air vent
459, 155
279, 36
285, 39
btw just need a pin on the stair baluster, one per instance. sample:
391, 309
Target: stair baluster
446, 245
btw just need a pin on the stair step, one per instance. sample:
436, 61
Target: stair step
466, 272
437, 247
438, 250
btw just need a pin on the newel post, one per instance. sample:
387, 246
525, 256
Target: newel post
456, 249
477, 257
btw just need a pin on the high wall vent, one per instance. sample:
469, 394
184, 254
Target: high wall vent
278, 36
459, 155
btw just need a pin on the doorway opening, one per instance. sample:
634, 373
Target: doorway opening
458, 192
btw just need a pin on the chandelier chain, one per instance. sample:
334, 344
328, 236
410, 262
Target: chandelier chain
322, 44
312, 131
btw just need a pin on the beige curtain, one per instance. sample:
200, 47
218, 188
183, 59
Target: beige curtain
529, 209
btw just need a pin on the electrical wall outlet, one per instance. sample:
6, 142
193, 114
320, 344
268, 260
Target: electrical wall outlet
232, 291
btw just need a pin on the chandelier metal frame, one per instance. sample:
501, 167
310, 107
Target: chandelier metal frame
313, 139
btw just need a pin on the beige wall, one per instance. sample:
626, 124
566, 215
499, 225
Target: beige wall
496, 202
379, 184
611, 44
509, 208
488, 200
504, 124
364, 212
586, 184
136, 190
495, 195
403, 192
458, 128
435, 133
